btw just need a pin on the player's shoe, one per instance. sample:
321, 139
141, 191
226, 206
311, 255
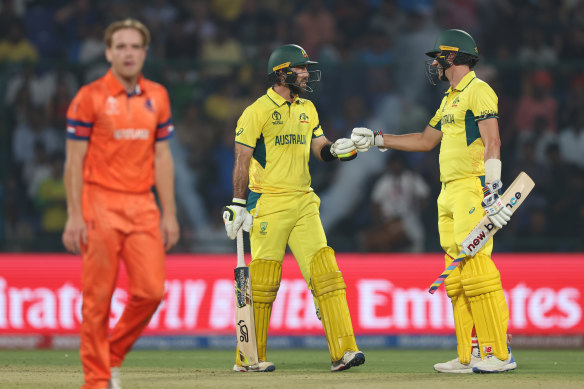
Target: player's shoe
115, 381
454, 366
349, 359
260, 367
492, 364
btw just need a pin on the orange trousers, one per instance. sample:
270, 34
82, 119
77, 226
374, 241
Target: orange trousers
120, 226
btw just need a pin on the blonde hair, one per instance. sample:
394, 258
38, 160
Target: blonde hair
126, 23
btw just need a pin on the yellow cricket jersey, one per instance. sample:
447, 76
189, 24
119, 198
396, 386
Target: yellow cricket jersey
462, 151
280, 134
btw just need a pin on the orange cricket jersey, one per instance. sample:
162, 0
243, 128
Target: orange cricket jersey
122, 129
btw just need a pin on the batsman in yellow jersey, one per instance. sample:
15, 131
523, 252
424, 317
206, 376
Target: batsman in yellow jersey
273, 142
466, 126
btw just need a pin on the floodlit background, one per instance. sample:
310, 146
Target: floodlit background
212, 55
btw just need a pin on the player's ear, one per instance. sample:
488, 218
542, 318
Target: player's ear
108, 54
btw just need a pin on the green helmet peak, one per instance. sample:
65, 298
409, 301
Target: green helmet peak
288, 56
454, 40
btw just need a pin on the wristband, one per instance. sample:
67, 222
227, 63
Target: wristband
326, 155
238, 202
492, 170
377, 134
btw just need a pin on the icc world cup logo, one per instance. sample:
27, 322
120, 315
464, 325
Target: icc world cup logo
277, 118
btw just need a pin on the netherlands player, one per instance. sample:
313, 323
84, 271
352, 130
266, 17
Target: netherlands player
273, 141
117, 149
466, 125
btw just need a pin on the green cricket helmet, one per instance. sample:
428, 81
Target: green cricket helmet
456, 45
454, 40
283, 59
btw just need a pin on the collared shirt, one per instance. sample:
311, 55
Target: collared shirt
280, 134
121, 129
462, 151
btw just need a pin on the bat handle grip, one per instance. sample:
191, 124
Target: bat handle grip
240, 251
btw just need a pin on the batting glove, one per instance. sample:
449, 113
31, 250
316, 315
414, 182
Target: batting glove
497, 212
235, 217
344, 149
364, 139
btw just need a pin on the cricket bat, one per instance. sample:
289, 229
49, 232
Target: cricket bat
513, 197
244, 319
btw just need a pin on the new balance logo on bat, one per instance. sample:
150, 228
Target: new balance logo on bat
475, 243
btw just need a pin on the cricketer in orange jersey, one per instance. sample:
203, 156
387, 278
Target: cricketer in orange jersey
117, 149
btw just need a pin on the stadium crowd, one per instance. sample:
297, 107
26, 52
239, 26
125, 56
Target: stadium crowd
211, 55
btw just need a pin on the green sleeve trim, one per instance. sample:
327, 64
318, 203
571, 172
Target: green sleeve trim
486, 116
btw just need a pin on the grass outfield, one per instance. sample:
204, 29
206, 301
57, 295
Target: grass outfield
294, 369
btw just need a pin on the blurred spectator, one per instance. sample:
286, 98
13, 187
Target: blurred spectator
26, 135
227, 10
377, 49
191, 148
92, 46
538, 171
7, 15
574, 100
461, 14
314, 27
565, 194
36, 171
536, 51
56, 108
541, 136
74, 22
537, 100
40, 83
419, 34
15, 47
224, 104
199, 23
388, 18
159, 14
398, 200
571, 140
222, 54
51, 201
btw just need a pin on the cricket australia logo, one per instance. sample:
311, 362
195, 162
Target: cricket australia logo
455, 102
243, 331
277, 117
263, 228
303, 118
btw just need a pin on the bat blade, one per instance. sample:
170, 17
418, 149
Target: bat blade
485, 229
244, 316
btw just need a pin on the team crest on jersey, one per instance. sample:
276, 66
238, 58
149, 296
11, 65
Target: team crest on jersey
303, 118
277, 117
263, 228
148, 104
455, 102
112, 106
